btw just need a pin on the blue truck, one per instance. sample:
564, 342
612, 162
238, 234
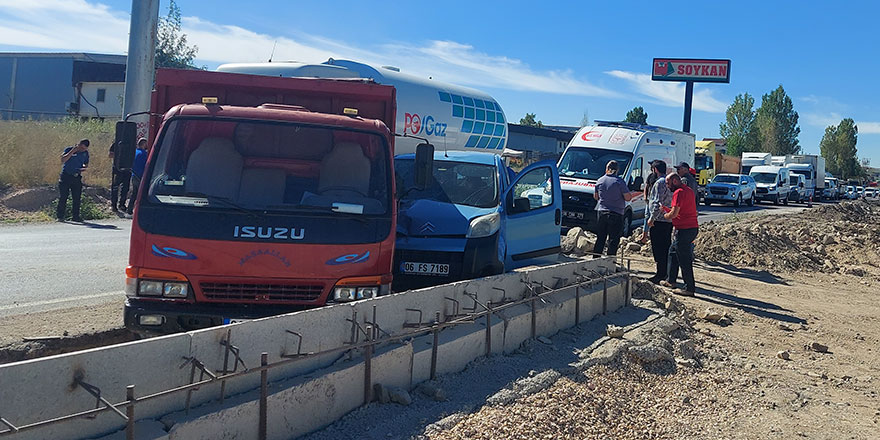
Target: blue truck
473, 218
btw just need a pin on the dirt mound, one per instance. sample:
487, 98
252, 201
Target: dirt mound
32, 204
830, 238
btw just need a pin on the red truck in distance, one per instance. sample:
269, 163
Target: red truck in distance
261, 195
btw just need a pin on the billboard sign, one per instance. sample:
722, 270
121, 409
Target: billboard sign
695, 70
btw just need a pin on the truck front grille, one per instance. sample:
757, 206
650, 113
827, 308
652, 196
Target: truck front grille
216, 291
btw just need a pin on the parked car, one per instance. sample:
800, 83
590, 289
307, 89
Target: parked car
870, 193
850, 192
860, 192
798, 191
731, 188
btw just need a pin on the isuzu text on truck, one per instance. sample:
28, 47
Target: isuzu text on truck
261, 195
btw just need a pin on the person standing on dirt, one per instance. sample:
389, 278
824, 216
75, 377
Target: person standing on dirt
684, 171
660, 228
683, 215
612, 194
137, 171
74, 160
118, 184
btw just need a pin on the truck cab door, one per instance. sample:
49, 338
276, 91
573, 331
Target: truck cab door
533, 220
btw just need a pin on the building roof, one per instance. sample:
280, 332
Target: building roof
540, 131
76, 56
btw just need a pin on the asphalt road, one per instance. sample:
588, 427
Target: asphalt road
61, 265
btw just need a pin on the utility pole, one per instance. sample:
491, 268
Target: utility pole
141, 60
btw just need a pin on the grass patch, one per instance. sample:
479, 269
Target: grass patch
88, 209
31, 150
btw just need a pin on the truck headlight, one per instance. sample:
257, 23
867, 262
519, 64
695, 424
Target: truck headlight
150, 288
484, 226
344, 294
175, 290
772, 188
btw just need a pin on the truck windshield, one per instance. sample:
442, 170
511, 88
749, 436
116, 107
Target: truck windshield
764, 177
805, 173
589, 163
460, 183
265, 166
702, 163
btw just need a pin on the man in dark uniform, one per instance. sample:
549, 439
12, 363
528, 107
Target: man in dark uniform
74, 160
118, 184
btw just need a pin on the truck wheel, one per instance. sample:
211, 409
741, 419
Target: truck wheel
785, 201
627, 224
739, 200
776, 199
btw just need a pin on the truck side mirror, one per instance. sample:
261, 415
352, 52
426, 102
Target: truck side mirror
424, 166
124, 144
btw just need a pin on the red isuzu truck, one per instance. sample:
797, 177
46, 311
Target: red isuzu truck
261, 195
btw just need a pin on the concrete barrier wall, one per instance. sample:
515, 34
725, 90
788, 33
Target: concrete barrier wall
41, 389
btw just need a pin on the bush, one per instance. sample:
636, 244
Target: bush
88, 209
31, 150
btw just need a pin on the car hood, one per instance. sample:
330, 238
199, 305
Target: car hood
721, 185
430, 218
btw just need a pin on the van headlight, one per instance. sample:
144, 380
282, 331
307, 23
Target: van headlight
484, 226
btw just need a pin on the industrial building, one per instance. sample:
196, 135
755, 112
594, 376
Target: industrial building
56, 85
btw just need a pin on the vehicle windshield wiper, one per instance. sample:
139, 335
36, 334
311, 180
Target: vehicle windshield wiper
225, 201
322, 209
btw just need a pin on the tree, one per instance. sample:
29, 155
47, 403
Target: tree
637, 115
838, 147
739, 127
530, 121
777, 124
171, 48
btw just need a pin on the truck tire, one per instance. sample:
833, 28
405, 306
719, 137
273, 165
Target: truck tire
785, 201
776, 199
627, 224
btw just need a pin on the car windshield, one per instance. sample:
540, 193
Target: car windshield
701, 162
460, 183
589, 163
805, 173
725, 179
793, 180
262, 166
764, 177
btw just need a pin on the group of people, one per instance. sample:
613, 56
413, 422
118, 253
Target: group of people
75, 161
671, 219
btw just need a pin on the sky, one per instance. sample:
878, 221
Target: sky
561, 60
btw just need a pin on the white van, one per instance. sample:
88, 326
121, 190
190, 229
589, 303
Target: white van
633, 146
773, 183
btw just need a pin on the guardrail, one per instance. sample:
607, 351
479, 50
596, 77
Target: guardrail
373, 336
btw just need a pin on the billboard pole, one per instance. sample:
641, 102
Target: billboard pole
688, 105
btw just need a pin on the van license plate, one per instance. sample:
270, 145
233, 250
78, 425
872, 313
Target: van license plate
425, 268
574, 215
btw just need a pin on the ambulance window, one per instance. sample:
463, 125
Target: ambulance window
636, 175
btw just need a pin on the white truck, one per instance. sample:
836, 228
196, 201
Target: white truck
449, 116
633, 146
750, 160
812, 167
772, 182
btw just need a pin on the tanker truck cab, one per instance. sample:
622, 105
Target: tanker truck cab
634, 147
473, 219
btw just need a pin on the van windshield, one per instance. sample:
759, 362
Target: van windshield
589, 163
459, 183
764, 177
